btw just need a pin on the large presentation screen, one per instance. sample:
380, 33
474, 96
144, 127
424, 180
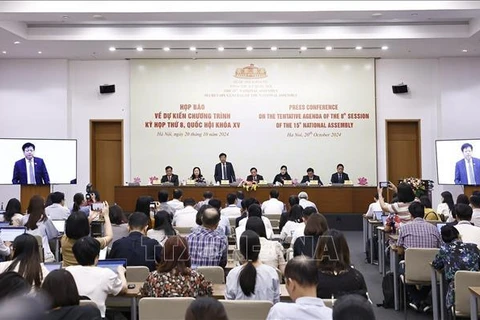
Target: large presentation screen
458, 161
38, 161
262, 113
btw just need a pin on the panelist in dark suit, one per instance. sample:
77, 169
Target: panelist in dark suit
467, 170
282, 176
169, 176
311, 176
254, 177
30, 170
224, 170
339, 176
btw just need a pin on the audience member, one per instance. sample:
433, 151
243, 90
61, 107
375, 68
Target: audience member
176, 203
254, 210
295, 219
79, 204
38, 224
405, 196
301, 282
304, 202
26, 260
445, 208
455, 255
244, 210
240, 196
64, 299
119, 223
231, 210
353, 307
137, 248
468, 232
273, 205
292, 200
57, 210
143, 205
475, 204
315, 227
207, 246
207, 195
253, 280
429, 215
185, 217
373, 207
162, 228
271, 252
336, 276
164, 206
206, 309
224, 224
12, 284
94, 282
13, 213
174, 276
462, 198
299, 231
78, 226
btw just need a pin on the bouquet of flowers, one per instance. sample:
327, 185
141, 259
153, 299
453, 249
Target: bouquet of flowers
248, 185
362, 181
137, 180
152, 179
417, 186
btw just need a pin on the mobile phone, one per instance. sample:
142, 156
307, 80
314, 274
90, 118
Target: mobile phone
152, 205
131, 286
383, 184
97, 206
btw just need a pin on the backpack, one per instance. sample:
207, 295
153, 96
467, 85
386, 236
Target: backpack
375, 249
388, 291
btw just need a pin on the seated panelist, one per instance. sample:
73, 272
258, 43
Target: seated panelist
339, 176
197, 175
254, 177
169, 176
311, 177
282, 176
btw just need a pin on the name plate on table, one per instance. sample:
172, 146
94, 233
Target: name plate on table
156, 182
314, 182
348, 182
262, 183
287, 182
190, 182
225, 182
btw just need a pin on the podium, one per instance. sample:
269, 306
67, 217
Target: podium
29, 190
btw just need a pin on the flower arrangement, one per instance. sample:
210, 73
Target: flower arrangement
153, 179
362, 181
417, 186
137, 180
248, 185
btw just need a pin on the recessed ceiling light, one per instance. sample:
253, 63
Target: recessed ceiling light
249, 48
328, 48
221, 48
303, 48
193, 49
384, 47
166, 49
139, 49
358, 48
464, 50
39, 52
376, 14
16, 42
4, 52
112, 48
274, 48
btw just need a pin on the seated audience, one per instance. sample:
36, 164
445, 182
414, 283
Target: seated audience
299, 230
445, 208
176, 203
207, 195
475, 204
224, 224
119, 223
64, 300
57, 210
79, 204
353, 307
295, 219
314, 228
95, 282
336, 276
273, 205
429, 215
185, 217
254, 210
26, 260
174, 276
304, 202
38, 224
253, 280
78, 226
244, 210
207, 246
164, 206
143, 205
231, 210
301, 283
206, 309
373, 207
240, 196
292, 200
137, 248
405, 196
463, 198
468, 232
13, 213
455, 255
271, 252
162, 228
12, 284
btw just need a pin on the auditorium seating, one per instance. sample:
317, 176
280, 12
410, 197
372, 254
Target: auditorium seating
163, 308
246, 309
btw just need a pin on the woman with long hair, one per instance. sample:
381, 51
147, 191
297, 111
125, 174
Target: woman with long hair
38, 224
399, 210
80, 204
197, 175
174, 276
445, 208
162, 228
336, 276
295, 218
13, 212
26, 260
315, 227
253, 280
119, 223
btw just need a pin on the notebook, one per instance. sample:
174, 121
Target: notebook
10, 233
59, 225
112, 264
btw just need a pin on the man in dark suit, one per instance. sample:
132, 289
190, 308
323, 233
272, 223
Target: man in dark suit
339, 176
311, 176
254, 177
224, 170
138, 249
30, 170
467, 170
169, 176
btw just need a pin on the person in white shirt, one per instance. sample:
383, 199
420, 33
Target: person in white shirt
232, 210
468, 233
163, 203
92, 281
303, 196
207, 195
301, 282
295, 221
273, 205
176, 203
57, 211
185, 217
373, 207
446, 207
475, 204
299, 232
254, 210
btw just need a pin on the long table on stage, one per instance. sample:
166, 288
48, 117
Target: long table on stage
335, 202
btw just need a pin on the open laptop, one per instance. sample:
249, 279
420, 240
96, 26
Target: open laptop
112, 264
384, 220
378, 215
53, 266
4, 224
10, 233
59, 225
439, 226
